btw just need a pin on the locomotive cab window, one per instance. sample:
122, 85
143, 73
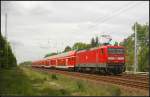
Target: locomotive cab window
115, 51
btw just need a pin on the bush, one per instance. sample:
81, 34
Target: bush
115, 91
80, 86
64, 92
53, 76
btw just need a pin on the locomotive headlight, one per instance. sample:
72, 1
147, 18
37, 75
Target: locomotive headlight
120, 58
111, 58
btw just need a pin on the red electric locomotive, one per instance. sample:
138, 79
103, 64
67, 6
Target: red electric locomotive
108, 59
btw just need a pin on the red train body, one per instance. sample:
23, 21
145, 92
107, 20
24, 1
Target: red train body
110, 59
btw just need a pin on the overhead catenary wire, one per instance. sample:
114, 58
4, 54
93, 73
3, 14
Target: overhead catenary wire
113, 11
108, 17
117, 13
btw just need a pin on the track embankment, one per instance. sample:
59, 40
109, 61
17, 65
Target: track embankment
128, 80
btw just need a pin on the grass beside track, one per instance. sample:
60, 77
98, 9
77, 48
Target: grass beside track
28, 82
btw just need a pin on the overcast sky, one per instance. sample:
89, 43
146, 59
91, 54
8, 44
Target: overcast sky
39, 27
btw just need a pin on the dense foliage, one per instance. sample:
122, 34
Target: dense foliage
50, 54
142, 45
26, 63
67, 48
7, 58
81, 46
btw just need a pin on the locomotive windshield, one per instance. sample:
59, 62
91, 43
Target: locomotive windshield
115, 51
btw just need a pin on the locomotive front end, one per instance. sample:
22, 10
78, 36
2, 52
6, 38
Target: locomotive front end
116, 59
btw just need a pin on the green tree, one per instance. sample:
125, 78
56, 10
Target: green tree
96, 41
50, 54
116, 44
67, 48
25, 63
7, 58
93, 42
81, 46
2, 45
142, 45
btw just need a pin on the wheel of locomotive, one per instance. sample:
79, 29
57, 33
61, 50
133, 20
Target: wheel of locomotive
97, 70
106, 71
69, 69
109, 71
79, 69
93, 70
83, 70
114, 72
102, 71
86, 70
117, 71
76, 69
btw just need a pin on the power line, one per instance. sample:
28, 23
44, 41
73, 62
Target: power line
107, 16
118, 12
114, 11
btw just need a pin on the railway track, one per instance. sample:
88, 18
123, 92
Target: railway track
136, 77
133, 81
